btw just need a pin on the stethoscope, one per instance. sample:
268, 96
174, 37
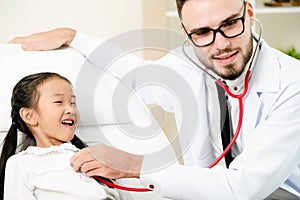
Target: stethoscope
239, 97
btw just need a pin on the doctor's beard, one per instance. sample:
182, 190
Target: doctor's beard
230, 71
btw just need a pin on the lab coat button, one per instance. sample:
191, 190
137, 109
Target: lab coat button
151, 186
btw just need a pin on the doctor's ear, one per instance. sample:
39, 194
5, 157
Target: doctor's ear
250, 10
182, 30
28, 116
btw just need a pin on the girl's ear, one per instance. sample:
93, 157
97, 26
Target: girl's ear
27, 115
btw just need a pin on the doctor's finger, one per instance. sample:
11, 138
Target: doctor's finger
23, 40
105, 171
29, 43
16, 40
79, 165
81, 155
80, 161
91, 166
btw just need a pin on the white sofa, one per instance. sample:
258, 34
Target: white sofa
16, 63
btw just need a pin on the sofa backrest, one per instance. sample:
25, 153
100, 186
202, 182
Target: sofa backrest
97, 125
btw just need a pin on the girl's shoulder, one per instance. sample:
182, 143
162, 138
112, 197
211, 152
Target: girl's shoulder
34, 156
38, 151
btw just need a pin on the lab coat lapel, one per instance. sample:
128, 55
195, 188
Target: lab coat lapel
265, 79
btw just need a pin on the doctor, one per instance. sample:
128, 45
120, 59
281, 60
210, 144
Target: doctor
266, 156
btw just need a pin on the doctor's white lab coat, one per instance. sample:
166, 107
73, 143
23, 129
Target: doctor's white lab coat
269, 141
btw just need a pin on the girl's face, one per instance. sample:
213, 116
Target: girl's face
56, 113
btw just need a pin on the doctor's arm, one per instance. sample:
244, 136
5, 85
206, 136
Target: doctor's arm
85, 44
270, 156
57, 38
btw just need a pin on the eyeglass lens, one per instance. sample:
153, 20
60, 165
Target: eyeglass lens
206, 36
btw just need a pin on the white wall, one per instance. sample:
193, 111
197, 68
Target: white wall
281, 31
102, 18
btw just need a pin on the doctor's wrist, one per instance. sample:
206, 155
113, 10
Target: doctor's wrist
68, 35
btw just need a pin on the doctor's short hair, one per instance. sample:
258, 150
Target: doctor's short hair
180, 3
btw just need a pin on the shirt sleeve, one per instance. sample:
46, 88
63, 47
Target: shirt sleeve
16, 184
117, 61
155, 167
153, 180
85, 43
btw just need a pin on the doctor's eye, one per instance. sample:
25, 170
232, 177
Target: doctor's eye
230, 23
202, 32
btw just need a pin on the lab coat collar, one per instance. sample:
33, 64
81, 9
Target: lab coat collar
266, 73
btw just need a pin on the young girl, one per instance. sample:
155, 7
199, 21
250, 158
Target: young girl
43, 108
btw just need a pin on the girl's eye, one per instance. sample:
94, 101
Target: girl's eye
58, 102
73, 103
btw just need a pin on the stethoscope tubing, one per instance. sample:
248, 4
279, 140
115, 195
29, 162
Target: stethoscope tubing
240, 121
120, 187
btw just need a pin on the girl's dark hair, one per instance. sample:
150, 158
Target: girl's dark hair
25, 95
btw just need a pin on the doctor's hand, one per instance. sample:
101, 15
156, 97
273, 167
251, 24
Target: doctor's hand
48, 40
105, 161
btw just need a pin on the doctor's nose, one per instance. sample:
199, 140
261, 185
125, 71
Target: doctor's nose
221, 42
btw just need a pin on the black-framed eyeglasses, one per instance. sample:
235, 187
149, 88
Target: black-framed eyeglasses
229, 29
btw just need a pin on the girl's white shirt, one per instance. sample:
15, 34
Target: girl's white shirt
46, 174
